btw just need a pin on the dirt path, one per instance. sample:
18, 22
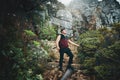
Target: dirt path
52, 72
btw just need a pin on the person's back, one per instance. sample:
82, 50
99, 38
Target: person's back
63, 43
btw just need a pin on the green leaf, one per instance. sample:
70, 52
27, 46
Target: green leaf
29, 33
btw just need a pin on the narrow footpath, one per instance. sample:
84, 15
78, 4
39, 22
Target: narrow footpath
52, 72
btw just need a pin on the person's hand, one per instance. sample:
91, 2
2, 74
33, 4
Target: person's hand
78, 45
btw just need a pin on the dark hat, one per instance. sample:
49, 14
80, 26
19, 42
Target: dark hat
63, 28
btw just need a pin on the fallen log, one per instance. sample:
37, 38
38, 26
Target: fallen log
67, 74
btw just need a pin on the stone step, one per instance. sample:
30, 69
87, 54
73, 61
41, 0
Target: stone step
55, 74
52, 65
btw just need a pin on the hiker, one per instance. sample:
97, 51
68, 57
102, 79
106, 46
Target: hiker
62, 46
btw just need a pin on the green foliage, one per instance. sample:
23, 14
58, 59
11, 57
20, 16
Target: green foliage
36, 43
39, 77
21, 55
91, 39
104, 71
45, 45
29, 33
31, 65
90, 42
116, 27
99, 51
89, 62
48, 32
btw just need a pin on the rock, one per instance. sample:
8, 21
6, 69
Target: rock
52, 72
94, 13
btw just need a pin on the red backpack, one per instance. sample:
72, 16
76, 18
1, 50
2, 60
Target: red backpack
63, 43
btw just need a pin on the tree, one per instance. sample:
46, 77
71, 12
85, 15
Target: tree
99, 53
17, 36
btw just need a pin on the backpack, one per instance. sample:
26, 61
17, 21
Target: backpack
63, 43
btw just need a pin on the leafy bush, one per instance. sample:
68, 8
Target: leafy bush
48, 32
26, 59
31, 65
99, 51
90, 42
21, 56
91, 39
29, 33
36, 43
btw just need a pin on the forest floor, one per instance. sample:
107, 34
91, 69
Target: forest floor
52, 72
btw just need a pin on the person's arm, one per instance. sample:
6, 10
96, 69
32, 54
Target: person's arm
73, 43
57, 42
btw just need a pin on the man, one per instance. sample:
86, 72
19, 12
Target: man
62, 46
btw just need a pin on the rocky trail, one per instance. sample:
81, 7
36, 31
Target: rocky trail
52, 72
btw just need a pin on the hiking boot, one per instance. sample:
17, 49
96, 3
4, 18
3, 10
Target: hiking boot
60, 69
69, 67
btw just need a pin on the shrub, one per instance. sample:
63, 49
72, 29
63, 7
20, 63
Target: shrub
99, 52
48, 33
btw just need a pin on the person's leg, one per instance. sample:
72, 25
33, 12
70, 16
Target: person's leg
61, 59
69, 53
